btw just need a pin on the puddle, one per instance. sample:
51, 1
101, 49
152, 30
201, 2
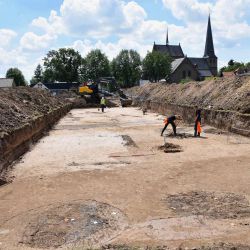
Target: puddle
212, 205
85, 223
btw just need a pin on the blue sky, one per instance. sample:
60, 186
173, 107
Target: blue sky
30, 28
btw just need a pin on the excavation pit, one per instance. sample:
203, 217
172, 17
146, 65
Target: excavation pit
170, 148
86, 223
212, 205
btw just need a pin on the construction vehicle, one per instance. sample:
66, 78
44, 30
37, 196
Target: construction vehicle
89, 91
104, 86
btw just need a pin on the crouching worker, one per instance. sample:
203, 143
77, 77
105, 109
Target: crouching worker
103, 103
170, 120
197, 125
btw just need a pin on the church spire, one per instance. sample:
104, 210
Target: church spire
209, 48
167, 42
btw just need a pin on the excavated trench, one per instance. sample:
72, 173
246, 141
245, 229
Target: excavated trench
15, 144
231, 121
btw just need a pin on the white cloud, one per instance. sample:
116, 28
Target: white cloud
188, 10
112, 25
228, 19
97, 18
6, 36
31, 41
53, 25
110, 49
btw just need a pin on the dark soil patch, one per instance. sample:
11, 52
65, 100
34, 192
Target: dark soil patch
126, 247
128, 141
213, 205
86, 223
3, 182
214, 131
223, 246
170, 148
219, 246
180, 136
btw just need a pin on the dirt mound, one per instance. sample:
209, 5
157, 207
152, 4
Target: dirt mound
219, 93
18, 106
85, 223
215, 206
170, 148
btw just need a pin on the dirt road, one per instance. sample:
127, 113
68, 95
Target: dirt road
98, 179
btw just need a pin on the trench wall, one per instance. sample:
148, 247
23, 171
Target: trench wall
227, 120
15, 144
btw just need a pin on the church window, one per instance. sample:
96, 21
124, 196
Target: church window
184, 74
189, 73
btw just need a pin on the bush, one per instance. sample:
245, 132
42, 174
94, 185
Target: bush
186, 80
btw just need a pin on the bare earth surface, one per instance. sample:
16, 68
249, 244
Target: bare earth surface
106, 179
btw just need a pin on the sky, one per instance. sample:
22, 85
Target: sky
31, 28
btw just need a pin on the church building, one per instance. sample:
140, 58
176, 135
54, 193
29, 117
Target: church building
191, 67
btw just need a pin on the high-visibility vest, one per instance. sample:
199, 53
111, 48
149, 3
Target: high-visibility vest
103, 101
199, 129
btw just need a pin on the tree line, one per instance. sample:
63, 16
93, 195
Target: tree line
233, 66
67, 65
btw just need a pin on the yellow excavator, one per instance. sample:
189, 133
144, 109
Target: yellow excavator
86, 89
89, 91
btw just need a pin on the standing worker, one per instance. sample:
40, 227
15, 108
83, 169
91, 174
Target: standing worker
197, 125
170, 120
103, 103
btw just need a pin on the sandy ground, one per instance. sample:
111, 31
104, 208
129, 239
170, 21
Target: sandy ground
113, 159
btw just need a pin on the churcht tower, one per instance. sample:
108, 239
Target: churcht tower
209, 53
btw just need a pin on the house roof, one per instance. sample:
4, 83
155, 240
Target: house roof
7, 82
176, 63
202, 66
62, 85
200, 62
172, 50
205, 73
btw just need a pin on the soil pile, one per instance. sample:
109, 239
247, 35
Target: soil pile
170, 148
19, 106
218, 93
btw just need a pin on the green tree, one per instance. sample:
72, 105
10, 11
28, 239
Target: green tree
17, 75
126, 68
38, 75
62, 65
95, 65
232, 66
156, 66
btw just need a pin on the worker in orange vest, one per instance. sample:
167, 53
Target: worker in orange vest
197, 125
170, 120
